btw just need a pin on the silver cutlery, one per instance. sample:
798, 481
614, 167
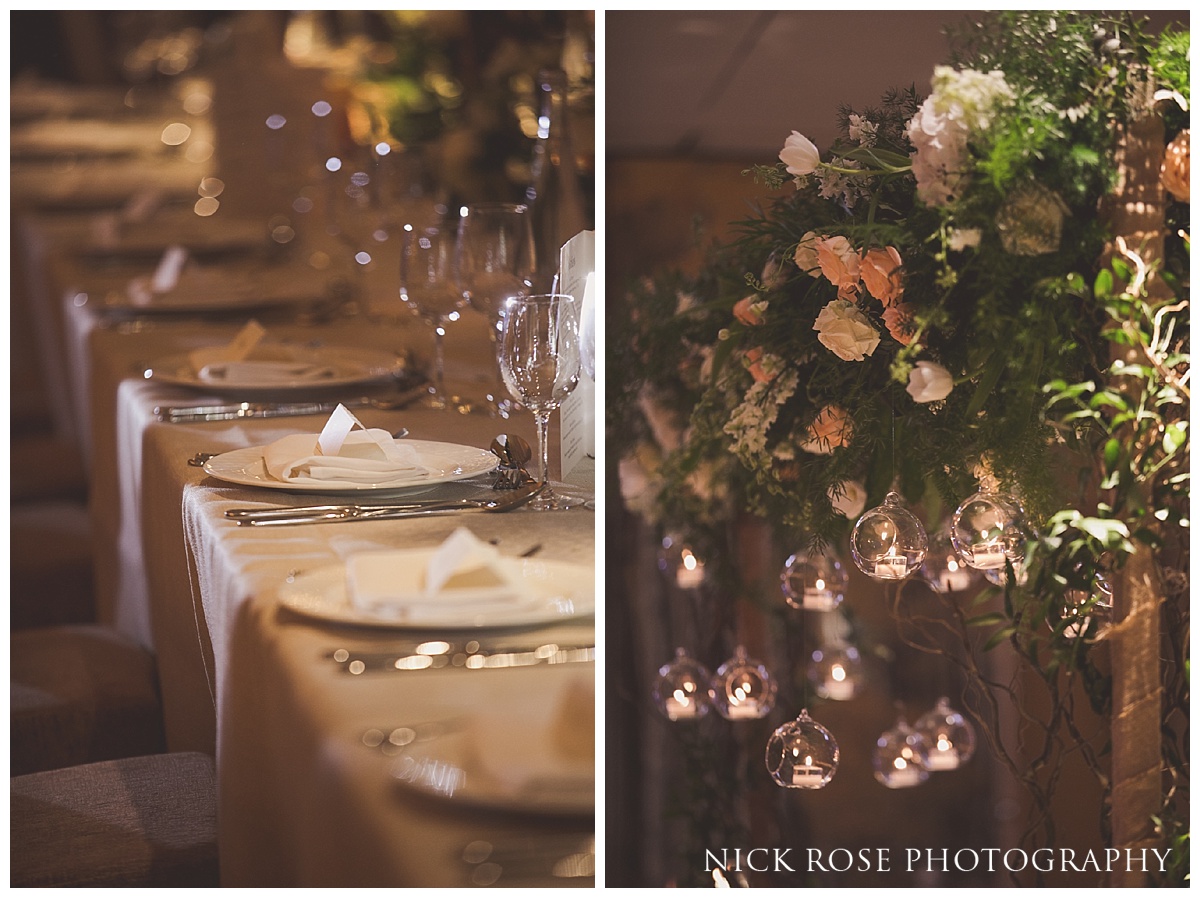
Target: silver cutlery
195, 414
312, 514
470, 656
532, 859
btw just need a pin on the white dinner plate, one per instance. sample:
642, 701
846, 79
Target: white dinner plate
443, 463
449, 768
347, 366
551, 592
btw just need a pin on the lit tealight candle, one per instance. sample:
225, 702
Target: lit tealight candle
903, 774
679, 705
690, 573
807, 774
988, 556
838, 685
891, 567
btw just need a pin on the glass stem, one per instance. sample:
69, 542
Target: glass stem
543, 436
439, 361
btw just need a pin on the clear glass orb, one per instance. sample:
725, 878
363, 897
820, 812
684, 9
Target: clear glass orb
1085, 612
742, 688
989, 528
679, 563
683, 690
802, 754
899, 757
999, 576
944, 570
836, 672
814, 581
949, 737
889, 542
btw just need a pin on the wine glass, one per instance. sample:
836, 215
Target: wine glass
428, 288
539, 361
496, 261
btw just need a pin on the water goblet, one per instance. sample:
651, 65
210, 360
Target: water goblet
496, 261
539, 361
428, 288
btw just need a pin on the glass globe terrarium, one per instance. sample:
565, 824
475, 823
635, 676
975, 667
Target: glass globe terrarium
814, 581
989, 528
944, 570
679, 563
742, 688
889, 542
949, 737
900, 756
836, 672
802, 754
683, 690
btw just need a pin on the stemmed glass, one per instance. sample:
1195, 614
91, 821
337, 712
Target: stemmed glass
428, 288
539, 361
496, 261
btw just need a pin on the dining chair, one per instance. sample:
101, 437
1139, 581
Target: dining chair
133, 822
79, 694
51, 572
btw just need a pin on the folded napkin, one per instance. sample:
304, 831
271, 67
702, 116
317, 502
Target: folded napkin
174, 281
402, 584
263, 372
544, 748
343, 454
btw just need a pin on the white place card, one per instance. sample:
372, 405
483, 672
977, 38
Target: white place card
577, 414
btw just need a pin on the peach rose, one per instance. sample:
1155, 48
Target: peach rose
899, 319
759, 365
806, 253
830, 430
882, 274
845, 331
839, 262
744, 311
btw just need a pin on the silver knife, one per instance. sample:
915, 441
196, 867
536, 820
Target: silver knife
315, 514
228, 412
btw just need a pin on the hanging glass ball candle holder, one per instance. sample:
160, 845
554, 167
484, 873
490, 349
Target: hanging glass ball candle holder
836, 672
679, 563
944, 570
889, 542
1085, 611
683, 690
899, 757
989, 528
814, 581
743, 689
949, 737
999, 576
802, 754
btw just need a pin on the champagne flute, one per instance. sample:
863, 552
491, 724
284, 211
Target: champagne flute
496, 261
428, 288
539, 361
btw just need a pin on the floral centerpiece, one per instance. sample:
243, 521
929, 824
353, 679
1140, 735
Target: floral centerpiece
953, 293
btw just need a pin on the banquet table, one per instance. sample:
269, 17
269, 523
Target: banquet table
468, 765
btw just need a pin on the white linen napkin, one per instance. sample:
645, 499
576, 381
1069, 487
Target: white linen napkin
344, 453
174, 281
249, 359
463, 573
548, 747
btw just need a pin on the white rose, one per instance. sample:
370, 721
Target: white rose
806, 252
961, 238
800, 155
849, 499
845, 331
929, 382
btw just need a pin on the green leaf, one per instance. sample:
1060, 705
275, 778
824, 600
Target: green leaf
984, 620
987, 383
1174, 437
998, 637
1112, 453
1104, 284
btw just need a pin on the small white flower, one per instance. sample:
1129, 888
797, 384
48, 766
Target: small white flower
800, 155
929, 382
961, 238
863, 130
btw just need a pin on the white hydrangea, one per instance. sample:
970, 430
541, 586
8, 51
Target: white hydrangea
962, 103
